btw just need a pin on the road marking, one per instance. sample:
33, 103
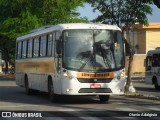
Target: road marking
90, 118
93, 109
120, 103
54, 118
153, 108
67, 109
17, 106
15, 118
127, 109
127, 118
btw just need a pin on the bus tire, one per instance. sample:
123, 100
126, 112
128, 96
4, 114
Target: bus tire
53, 97
28, 90
104, 98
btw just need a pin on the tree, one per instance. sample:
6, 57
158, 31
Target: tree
123, 13
157, 3
7, 50
18, 17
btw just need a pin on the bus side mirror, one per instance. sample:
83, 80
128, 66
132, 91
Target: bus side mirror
58, 47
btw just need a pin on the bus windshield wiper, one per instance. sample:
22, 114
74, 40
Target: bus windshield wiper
84, 64
103, 52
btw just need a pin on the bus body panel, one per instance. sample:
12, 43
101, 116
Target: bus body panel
72, 86
37, 70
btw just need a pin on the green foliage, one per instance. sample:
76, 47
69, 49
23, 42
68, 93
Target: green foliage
122, 12
18, 17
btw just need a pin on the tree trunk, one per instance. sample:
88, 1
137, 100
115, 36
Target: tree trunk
129, 72
130, 52
7, 58
6, 68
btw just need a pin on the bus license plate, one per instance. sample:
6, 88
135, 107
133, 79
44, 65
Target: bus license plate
95, 86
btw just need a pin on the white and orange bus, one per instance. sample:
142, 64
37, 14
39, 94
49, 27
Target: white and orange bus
72, 59
152, 68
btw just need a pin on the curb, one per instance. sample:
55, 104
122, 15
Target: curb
9, 76
142, 96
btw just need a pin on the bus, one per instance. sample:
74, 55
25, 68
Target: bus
72, 59
152, 68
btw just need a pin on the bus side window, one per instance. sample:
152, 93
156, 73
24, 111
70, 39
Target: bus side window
58, 43
43, 45
49, 44
19, 50
53, 43
24, 49
150, 62
156, 60
153, 63
29, 48
36, 47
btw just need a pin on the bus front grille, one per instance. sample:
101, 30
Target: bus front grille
95, 80
95, 90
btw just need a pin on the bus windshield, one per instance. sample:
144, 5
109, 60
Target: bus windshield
93, 50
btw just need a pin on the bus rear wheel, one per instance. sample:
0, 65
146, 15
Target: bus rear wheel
104, 98
53, 97
28, 90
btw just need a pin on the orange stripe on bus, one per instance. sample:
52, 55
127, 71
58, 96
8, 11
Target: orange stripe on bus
35, 67
95, 75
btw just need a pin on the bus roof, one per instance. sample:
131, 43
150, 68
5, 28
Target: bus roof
151, 52
60, 27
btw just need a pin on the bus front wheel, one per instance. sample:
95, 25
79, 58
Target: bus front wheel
104, 98
156, 85
52, 95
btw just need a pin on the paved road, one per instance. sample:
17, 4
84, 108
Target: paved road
143, 88
13, 98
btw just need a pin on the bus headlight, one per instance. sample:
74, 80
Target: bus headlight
66, 74
122, 74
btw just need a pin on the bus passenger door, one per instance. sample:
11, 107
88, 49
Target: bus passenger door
148, 70
58, 61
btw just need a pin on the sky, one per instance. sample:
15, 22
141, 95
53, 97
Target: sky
87, 11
